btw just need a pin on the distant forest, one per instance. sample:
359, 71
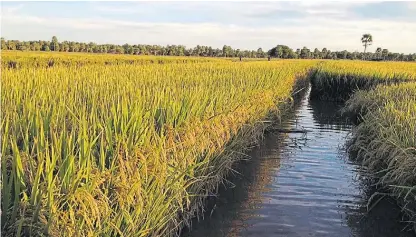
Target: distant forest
280, 51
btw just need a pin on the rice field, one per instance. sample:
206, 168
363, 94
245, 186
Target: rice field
381, 98
385, 140
15, 59
115, 145
337, 80
121, 149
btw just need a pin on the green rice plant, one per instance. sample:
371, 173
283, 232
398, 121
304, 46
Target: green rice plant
127, 150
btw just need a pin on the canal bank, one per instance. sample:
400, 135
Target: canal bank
301, 184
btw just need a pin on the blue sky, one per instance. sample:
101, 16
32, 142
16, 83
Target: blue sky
246, 25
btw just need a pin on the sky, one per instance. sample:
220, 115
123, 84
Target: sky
336, 25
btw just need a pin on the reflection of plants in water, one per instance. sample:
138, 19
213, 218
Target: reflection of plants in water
328, 115
237, 203
266, 161
375, 213
370, 213
298, 143
242, 193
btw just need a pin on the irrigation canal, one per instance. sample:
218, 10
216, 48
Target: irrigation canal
301, 184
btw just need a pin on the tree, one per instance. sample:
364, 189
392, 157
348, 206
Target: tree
354, 55
304, 52
119, 50
237, 53
367, 40
287, 52
281, 51
324, 53
344, 54
65, 46
128, 49
54, 44
74, 47
82, 47
36, 46
378, 53
385, 53
260, 53
3, 44
210, 52
226, 51
21, 46
317, 54
11, 45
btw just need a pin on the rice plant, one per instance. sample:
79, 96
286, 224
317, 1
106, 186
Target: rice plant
381, 98
16, 59
338, 80
385, 139
121, 149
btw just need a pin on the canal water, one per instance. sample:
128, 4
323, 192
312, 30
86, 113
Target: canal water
299, 185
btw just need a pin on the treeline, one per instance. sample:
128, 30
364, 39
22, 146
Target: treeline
283, 51
140, 49
280, 51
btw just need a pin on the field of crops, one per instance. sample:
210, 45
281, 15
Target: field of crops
16, 59
338, 80
105, 149
385, 140
105, 145
381, 97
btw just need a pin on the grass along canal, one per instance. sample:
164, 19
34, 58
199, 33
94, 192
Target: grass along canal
301, 184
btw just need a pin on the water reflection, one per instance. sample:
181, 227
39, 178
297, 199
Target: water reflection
328, 115
229, 213
300, 185
383, 219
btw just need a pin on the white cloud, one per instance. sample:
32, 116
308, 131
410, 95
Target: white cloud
11, 10
412, 5
322, 25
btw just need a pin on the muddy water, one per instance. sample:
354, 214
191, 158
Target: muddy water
301, 184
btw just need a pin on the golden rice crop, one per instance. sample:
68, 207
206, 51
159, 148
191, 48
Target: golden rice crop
337, 80
16, 59
382, 96
385, 140
103, 145
363, 101
127, 150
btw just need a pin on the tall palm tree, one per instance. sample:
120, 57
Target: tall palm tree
367, 40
